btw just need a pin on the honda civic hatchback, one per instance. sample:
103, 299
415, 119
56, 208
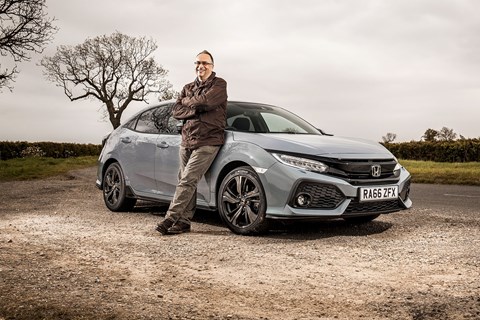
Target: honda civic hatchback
273, 165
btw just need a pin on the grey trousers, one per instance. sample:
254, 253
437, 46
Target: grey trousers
193, 165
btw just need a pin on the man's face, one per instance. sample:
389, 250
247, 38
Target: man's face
203, 66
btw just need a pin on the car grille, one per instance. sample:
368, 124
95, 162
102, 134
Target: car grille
359, 171
356, 207
323, 196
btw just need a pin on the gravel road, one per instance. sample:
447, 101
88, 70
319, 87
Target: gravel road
63, 255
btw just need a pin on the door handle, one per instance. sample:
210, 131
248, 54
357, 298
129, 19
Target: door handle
126, 140
162, 145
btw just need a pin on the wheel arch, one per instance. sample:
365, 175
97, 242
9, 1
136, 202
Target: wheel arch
259, 224
225, 170
130, 193
104, 168
239, 154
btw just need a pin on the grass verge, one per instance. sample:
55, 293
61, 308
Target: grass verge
465, 173
422, 171
39, 168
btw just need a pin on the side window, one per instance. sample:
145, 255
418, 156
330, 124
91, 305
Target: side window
131, 123
164, 122
158, 120
145, 123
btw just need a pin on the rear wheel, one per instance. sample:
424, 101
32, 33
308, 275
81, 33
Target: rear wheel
114, 189
242, 203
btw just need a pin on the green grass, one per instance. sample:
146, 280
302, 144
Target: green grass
422, 171
39, 168
467, 173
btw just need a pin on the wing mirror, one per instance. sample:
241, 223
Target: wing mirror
324, 133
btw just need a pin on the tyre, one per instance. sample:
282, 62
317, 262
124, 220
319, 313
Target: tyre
242, 203
114, 189
362, 219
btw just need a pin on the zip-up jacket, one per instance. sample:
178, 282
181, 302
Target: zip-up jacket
203, 108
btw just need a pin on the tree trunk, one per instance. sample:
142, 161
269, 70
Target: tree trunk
115, 122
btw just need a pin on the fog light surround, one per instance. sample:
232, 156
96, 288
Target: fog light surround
303, 200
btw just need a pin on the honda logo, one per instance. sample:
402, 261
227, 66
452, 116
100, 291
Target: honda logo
376, 170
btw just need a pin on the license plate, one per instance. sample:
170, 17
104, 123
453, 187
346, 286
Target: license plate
378, 193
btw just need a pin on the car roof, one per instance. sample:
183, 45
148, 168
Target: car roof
244, 104
234, 107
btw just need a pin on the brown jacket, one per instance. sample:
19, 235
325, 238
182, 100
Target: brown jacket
203, 108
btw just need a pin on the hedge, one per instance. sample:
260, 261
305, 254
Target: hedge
465, 150
23, 149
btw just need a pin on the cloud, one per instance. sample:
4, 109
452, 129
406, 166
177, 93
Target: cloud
355, 67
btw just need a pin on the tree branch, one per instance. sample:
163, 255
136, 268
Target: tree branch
24, 29
115, 69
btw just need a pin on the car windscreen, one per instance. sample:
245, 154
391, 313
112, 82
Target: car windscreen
258, 118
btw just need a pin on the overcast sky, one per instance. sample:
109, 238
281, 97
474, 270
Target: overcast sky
351, 67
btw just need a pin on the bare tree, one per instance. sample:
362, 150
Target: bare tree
446, 134
24, 28
430, 135
389, 137
114, 69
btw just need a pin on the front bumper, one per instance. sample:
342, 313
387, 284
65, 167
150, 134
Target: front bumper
331, 197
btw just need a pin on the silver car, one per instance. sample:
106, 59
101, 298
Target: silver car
273, 165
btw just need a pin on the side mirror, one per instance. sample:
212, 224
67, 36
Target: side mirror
324, 133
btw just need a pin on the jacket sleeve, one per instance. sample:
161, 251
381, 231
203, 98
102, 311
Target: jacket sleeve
210, 99
181, 111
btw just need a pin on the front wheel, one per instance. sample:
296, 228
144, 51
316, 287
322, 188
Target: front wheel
114, 189
242, 203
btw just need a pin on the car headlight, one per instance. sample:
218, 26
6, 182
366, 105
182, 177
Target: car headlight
301, 163
397, 169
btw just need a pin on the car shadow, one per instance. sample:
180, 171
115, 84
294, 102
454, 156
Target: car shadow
294, 230
311, 230
156, 209
201, 216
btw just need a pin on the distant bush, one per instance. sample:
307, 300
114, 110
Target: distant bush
464, 150
22, 149
32, 152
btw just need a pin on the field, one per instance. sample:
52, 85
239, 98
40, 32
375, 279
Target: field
467, 173
38, 168
422, 171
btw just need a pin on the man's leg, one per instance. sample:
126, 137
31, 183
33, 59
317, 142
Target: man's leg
168, 222
182, 207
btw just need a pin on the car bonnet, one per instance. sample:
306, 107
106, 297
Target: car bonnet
318, 145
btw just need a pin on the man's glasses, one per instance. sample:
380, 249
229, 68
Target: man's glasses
203, 63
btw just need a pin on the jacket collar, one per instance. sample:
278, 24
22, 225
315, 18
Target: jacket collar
199, 83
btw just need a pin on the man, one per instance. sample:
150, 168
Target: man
202, 106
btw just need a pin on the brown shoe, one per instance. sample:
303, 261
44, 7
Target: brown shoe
179, 227
163, 226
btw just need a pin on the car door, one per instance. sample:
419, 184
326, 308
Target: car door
139, 162
166, 152
167, 156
